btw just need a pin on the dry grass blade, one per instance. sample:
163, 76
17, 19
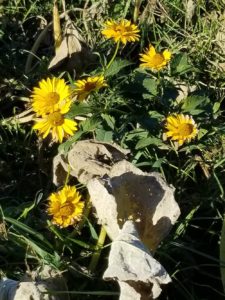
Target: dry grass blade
39, 40
56, 26
36, 45
220, 37
73, 51
21, 118
69, 48
189, 6
148, 13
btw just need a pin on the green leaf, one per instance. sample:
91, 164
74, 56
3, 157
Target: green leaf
135, 85
216, 107
151, 86
138, 133
32, 206
28, 230
156, 115
202, 132
64, 148
117, 66
103, 135
79, 108
92, 230
195, 105
89, 124
158, 163
80, 243
85, 126
109, 120
184, 224
44, 255
180, 64
149, 141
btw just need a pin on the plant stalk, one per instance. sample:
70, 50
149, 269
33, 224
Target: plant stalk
137, 5
98, 247
67, 175
114, 55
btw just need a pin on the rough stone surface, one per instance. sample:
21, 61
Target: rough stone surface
87, 159
130, 194
136, 208
132, 265
34, 286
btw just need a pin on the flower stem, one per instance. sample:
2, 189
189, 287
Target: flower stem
67, 175
98, 247
136, 10
114, 55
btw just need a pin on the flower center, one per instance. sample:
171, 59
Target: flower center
119, 29
53, 98
185, 129
158, 59
56, 119
89, 86
66, 210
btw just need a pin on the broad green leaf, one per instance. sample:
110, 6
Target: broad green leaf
135, 85
180, 64
117, 66
79, 108
109, 120
149, 141
85, 126
148, 122
103, 135
151, 86
202, 132
195, 104
147, 96
216, 107
64, 148
89, 124
141, 72
158, 163
156, 115
138, 133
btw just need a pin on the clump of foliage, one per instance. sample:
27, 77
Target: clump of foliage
157, 90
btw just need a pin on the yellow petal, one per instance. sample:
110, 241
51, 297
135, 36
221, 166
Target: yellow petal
151, 51
167, 55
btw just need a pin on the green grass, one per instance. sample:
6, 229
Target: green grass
131, 112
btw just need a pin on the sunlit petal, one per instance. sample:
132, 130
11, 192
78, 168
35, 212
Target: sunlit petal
65, 206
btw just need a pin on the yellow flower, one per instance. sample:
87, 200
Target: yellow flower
121, 31
57, 125
85, 86
51, 95
153, 60
181, 128
65, 206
